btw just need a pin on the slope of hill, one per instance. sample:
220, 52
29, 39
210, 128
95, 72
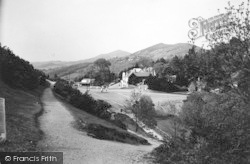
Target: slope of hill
161, 50
114, 54
59, 64
67, 72
21, 89
22, 111
166, 51
121, 60
51, 64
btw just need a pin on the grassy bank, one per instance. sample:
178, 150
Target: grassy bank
22, 111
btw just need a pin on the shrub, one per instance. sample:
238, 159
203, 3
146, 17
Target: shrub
120, 124
161, 84
102, 132
146, 111
223, 121
219, 129
101, 106
143, 108
82, 101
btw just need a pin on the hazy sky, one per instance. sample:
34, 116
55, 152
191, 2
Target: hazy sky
42, 30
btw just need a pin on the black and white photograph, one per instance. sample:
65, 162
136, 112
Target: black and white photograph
125, 81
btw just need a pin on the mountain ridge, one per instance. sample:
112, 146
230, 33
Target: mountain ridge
162, 50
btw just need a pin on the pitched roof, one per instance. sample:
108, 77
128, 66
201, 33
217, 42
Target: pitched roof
142, 74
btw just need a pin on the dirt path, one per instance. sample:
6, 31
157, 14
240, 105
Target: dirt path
78, 148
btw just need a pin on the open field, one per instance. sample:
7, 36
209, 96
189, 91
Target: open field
117, 98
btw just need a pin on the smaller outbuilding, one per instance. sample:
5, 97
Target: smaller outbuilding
87, 81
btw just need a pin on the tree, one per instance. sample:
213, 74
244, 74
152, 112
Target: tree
102, 64
100, 71
218, 123
143, 108
145, 62
231, 43
146, 111
176, 65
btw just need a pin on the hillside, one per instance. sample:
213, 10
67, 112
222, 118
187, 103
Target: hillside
20, 86
60, 64
166, 51
162, 50
114, 54
71, 71
50, 64
121, 60
22, 111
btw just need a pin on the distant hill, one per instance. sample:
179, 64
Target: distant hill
50, 64
121, 60
162, 50
114, 54
59, 64
69, 72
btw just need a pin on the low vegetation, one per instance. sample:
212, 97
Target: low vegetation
102, 132
22, 111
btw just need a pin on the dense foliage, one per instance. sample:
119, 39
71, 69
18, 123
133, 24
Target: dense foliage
17, 72
161, 84
82, 101
218, 124
100, 71
218, 131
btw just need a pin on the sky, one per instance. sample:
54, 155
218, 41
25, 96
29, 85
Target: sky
70, 30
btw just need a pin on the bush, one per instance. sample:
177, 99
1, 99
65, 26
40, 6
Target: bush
146, 111
175, 151
120, 124
82, 101
219, 129
223, 121
143, 108
102, 132
161, 84
101, 106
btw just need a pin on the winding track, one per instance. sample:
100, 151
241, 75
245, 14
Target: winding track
78, 148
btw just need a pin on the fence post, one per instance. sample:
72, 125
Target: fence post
2, 120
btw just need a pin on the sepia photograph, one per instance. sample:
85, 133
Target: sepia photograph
124, 82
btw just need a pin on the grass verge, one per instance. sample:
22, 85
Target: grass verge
22, 111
